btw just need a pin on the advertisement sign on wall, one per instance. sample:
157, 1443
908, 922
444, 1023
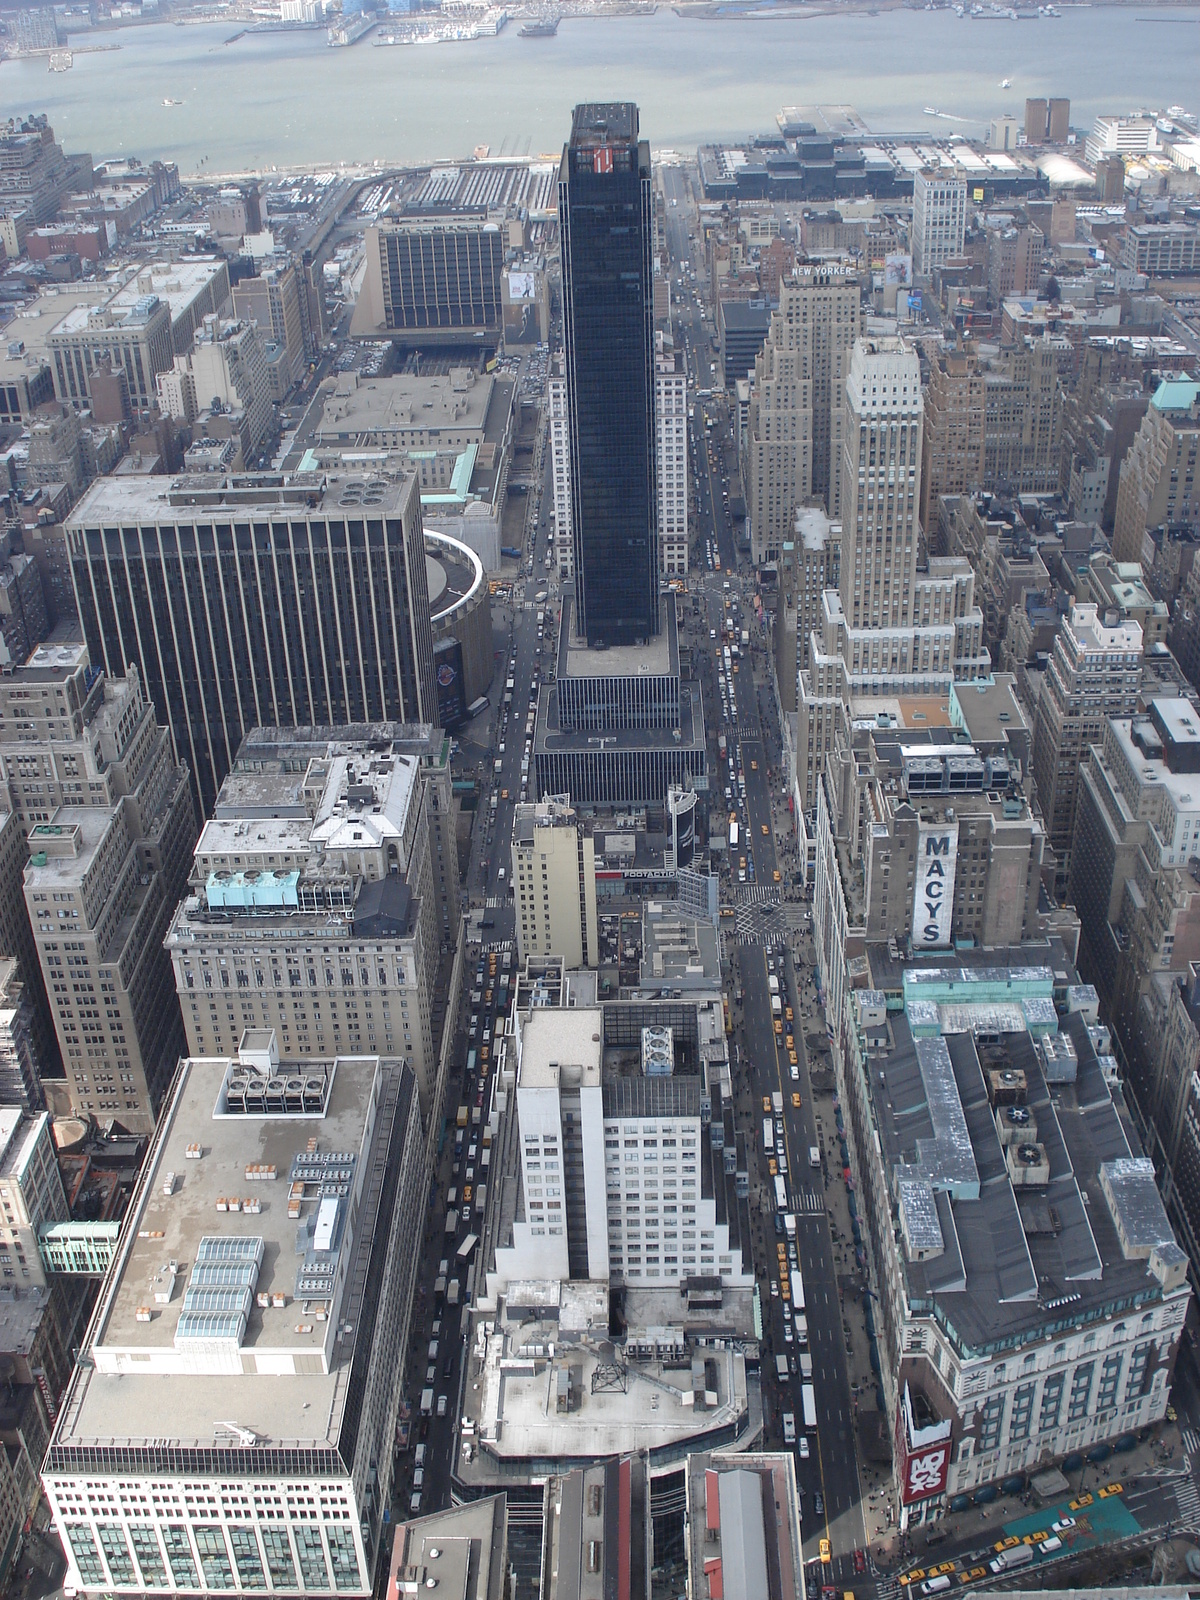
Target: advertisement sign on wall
933, 898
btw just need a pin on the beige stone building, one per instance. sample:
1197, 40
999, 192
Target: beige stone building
1160, 483
554, 882
315, 908
953, 443
798, 405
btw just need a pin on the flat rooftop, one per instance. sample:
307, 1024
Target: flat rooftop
359, 408
658, 656
148, 500
177, 283
140, 1388
33, 323
552, 1039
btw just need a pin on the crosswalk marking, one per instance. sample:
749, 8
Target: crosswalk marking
809, 1202
886, 1588
1187, 1497
756, 894
1191, 1441
493, 900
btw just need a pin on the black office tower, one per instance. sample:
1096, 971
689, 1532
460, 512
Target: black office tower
608, 325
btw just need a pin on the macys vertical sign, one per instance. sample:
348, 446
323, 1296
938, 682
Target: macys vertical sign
933, 898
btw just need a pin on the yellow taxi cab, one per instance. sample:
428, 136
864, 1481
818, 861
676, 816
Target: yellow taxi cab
1084, 1500
790, 1041
767, 1104
793, 1059
466, 1194
779, 1026
483, 1052
1006, 1544
826, 1550
773, 1166
796, 1098
754, 766
787, 1011
785, 1288
1112, 1488
945, 1566
914, 1576
777, 875
971, 1574
765, 831
504, 794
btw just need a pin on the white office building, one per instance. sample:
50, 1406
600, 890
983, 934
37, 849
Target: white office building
266, 1270
670, 420
939, 219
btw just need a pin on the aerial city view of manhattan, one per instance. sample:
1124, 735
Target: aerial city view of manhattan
599, 800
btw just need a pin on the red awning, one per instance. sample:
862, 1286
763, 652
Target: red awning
716, 1581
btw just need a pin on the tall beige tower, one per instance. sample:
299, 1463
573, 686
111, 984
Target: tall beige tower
881, 457
797, 411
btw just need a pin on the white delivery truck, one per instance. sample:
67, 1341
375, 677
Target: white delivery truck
809, 1401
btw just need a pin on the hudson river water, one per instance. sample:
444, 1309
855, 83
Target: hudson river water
287, 99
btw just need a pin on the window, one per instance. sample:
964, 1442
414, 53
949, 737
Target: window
344, 1557
1110, 1374
116, 1553
87, 1557
1022, 1412
1051, 1403
179, 1555
991, 1420
247, 1558
214, 1558
279, 1558
149, 1557
313, 1571
1136, 1383
1081, 1392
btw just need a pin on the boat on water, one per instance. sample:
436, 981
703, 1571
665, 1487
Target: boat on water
1006, 83
932, 111
543, 28
172, 102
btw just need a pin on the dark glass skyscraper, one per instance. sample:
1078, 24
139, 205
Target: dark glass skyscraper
608, 323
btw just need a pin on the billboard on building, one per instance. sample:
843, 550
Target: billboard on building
897, 270
448, 676
922, 1453
522, 286
933, 896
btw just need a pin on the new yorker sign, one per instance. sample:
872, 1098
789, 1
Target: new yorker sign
933, 899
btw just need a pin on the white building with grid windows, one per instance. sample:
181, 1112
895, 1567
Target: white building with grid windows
619, 1176
939, 219
266, 1268
671, 441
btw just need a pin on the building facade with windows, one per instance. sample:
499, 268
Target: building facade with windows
939, 219
314, 906
258, 600
554, 882
265, 1463
1029, 1293
605, 224
31, 1194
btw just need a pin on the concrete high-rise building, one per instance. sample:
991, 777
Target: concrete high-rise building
318, 905
953, 441
282, 1323
1023, 402
275, 301
939, 219
308, 608
34, 173
1036, 114
31, 1194
20, 1068
102, 883
671, 449
604, 210
554, 883
889, 629
432, 283
589, 1081
1014, 262
1160, 475
1094, 672
881, 467
1058, 120
31, 1047
798, 403
1134, 876
226, 365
